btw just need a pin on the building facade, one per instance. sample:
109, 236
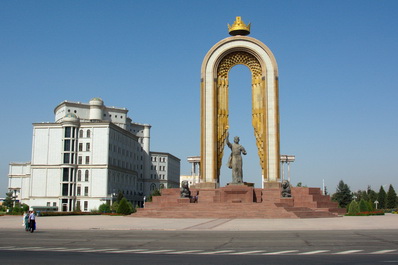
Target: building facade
86, 157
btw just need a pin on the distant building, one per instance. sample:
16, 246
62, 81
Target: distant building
86, 157
194, 178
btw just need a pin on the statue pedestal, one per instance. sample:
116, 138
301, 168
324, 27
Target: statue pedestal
236, 193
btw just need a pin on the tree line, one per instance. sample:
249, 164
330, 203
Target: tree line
379, 200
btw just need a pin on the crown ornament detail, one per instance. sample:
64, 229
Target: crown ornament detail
239, 28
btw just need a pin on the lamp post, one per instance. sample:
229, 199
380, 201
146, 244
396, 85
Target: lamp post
287, 159
376, 203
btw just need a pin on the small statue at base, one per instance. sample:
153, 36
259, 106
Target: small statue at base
185, 192
286, 191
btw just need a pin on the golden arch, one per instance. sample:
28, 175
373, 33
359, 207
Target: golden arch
214, 104
229, 61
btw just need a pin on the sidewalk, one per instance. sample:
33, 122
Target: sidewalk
103, 222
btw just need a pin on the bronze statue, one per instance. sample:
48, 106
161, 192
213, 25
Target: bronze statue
185, 192
286, 190
235, 160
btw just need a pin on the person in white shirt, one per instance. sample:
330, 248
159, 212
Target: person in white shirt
32, 221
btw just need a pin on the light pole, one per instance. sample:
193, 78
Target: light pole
376, 203
286, 159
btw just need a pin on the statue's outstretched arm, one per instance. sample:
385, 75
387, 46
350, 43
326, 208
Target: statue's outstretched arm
227, 139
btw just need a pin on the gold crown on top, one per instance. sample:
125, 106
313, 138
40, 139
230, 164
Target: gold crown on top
239, 28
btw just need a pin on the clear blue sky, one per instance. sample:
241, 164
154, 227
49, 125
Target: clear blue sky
337, 69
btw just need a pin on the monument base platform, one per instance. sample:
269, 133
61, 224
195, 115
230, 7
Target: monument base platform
241, 201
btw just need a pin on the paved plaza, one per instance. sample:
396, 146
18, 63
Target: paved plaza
104, 222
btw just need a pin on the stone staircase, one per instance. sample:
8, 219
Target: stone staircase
241, 202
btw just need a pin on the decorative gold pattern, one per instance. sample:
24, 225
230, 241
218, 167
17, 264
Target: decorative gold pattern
258, 108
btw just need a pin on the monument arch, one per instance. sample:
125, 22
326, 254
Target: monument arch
224, 55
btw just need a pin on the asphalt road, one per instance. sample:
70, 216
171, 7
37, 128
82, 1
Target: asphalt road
198, 247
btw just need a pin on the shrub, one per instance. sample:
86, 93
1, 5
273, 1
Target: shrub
353, 208
363, 206
104, 208
124, 207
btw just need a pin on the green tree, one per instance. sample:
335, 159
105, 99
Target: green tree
343, 194
371, 205
124, 207
363, 206
382, 198
353, 208
104, 208
154, 193
8, 202
120, 196
391, 198
114, 206
371, 194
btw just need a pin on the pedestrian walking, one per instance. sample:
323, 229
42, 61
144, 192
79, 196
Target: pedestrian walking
32, 221
25, 221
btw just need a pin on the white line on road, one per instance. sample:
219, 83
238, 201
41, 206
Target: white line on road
348, 252
280, 252
313, 252
183, 252
127, 251
99, 250
156, 251
247, 252
384, 251
215, 252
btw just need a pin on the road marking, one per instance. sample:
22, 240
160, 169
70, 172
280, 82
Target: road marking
184, 252
247, 252
383, 251
127, 251
280, 252
73, 249
99, 250
313, 252
156, 251
348, 252
215, 252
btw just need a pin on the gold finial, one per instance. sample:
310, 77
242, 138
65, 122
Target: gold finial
239, 28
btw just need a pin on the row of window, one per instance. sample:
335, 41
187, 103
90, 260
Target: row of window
85, 203
79, 189
161, 168
161, 159
155, 176
67, 175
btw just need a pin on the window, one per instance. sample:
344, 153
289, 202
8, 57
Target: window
87, 146
86, 175
153, 187
54, 204
66, 158
79, 191
48, 203
65, 174
85, 191
79, 175
64, 189
87, 160
77, 204
67, 145
67, 132
80, 147
80, 160
85, 206
88, 133
81, 134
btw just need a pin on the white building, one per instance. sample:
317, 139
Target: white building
89, 154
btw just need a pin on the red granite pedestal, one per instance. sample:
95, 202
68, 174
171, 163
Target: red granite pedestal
241, 201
